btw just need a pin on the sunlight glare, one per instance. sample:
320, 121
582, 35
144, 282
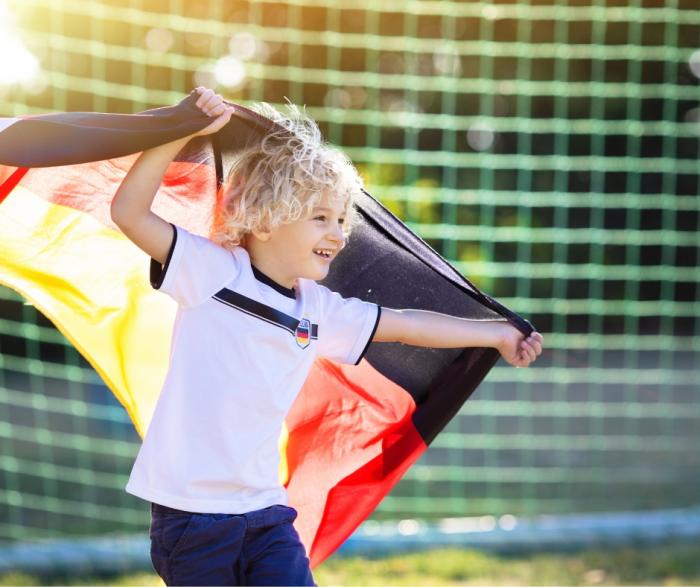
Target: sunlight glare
17, 64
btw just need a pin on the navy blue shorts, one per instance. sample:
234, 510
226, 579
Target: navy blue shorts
258, 548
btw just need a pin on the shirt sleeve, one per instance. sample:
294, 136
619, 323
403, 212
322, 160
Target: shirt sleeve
194, 270
346, 327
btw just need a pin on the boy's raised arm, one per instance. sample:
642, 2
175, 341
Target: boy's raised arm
431, 329
131, 206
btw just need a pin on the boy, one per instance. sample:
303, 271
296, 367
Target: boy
251, 320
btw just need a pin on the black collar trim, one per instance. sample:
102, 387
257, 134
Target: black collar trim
285, 291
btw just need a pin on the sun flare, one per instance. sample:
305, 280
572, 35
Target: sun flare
17, 64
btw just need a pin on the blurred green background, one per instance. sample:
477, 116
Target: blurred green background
548, 149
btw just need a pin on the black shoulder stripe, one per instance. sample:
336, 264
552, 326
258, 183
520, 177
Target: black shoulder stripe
371, 336
262, 311
158, 271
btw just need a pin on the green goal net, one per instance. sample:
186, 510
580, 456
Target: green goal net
548, 149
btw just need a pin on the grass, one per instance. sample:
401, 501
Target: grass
666, 565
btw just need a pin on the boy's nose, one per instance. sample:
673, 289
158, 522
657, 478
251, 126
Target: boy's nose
337, 234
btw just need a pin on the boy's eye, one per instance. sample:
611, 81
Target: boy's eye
324, 218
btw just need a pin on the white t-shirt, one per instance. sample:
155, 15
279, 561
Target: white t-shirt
241, 349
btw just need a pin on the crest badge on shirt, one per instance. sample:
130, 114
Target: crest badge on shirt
303, 333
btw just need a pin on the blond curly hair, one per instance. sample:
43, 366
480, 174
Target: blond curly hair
282, 178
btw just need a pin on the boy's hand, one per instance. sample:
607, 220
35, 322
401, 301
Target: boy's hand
213, 105
518, 350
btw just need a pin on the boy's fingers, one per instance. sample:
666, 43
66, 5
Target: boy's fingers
536, 349
224, 108
214, 105
209, 104
530, 350
215, 100
217, 110
204, 97
529, 353
535, 346
535, 340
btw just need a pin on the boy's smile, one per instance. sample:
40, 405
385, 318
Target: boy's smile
305, 248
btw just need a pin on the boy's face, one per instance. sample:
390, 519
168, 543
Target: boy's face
305, 248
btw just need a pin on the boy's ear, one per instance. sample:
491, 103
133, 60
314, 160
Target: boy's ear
262, 235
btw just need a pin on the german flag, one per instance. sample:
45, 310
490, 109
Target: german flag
353, 430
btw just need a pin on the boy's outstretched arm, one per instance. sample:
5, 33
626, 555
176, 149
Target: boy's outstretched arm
431, 329
131, 206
